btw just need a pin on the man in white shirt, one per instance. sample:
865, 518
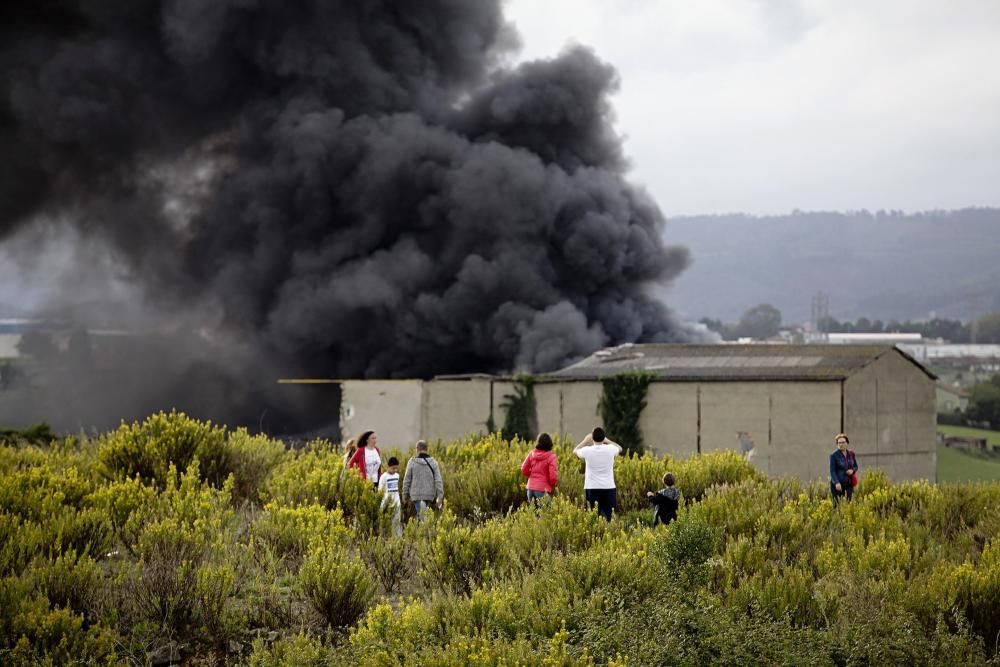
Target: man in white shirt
599, 477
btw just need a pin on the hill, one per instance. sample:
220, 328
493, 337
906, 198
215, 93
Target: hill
887, 265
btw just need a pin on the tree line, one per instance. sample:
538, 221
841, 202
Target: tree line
764, 321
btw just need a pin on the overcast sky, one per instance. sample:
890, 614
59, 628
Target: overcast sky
765, 106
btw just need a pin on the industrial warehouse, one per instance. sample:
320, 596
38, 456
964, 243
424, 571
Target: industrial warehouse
787, 400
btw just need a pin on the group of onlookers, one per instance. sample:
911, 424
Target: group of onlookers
423, 483
598, 453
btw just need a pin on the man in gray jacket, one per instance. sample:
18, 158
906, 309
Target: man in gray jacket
422, 481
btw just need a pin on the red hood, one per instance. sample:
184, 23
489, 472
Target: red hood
542, 456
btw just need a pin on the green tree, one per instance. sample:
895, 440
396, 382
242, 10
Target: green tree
761, 321
988, 328
984, 404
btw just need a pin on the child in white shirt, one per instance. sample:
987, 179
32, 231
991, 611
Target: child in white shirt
388, 484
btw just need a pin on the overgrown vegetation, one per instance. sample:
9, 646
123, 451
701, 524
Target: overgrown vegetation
39, 434
622, 402
261, 556
521, 420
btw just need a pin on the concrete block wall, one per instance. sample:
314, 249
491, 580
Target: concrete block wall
453, 409
890, 416
804, 420
391, 408
669, 424
790, 422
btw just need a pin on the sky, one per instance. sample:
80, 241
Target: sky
766, 106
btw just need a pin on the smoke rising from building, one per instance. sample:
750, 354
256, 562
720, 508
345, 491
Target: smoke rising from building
346, 189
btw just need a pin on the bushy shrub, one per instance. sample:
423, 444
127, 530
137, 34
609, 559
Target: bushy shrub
560, 528
20, 541
695, 629
699, 473
685, 542
216, 589
486, 629
976, 592
34, 633
491, 488
164, 440
69, 581
85, 531
392, 559
128, 505
39, 491
301, 650
338, 588
252, 458
316, 476
461, 558
188, 527
635, 476
292, 531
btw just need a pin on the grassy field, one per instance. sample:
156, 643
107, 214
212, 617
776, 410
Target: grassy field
955, 465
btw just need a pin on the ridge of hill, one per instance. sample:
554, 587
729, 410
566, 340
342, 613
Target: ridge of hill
886, 265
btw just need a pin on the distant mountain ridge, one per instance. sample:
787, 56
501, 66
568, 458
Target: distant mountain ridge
888, 265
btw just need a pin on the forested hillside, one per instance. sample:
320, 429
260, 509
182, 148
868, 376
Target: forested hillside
887, 265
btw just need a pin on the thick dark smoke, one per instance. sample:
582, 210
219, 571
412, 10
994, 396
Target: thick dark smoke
349, 189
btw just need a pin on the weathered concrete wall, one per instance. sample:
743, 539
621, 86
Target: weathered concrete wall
500, 390
548, 407
455, 408
889, 414
788, 421
728, 407
804, 418
579, 409
669, 423
391, 408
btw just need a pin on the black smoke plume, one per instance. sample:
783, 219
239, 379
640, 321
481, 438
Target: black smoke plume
345, 189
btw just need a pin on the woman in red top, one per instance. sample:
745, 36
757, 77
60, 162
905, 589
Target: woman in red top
542, 470
367, 459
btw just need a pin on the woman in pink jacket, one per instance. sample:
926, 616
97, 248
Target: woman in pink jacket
542, 470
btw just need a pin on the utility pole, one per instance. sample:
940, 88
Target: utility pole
820, 313
974, 318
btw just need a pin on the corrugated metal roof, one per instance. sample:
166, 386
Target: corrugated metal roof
731, 362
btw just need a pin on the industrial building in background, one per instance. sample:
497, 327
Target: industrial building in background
789, 399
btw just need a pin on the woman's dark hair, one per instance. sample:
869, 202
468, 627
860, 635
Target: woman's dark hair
363, 439
842, 435
598, 434
544, 442
668, 479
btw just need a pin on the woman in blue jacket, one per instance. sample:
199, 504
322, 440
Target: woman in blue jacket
843, 470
